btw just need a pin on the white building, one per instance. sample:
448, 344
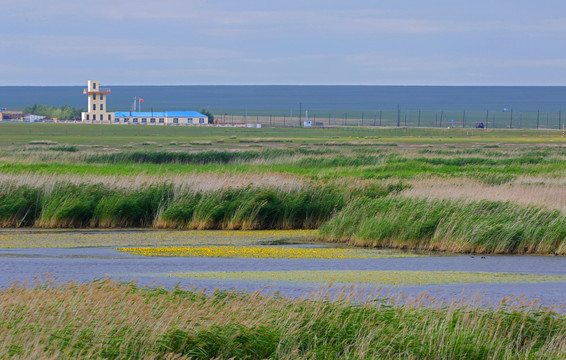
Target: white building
33, 118
97, 112
161, 118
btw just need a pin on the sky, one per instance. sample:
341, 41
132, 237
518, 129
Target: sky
308, 42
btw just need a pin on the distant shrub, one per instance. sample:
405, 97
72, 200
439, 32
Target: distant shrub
64, 148
42, 142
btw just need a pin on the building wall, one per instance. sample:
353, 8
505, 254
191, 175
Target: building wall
161, 121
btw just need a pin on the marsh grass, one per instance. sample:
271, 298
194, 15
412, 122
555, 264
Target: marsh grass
66, 148
194, 181
105, 319
168, 206
450, 225
302, 184
203, 157
544, 192
253, 208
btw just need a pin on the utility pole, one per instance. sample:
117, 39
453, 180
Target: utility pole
538, 118
441, 116
398, 116
419, 121
486, 118
464, 120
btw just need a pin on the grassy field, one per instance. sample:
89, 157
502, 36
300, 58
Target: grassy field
85, 134
107, 320
490, 191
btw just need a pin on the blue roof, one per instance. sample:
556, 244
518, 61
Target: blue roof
182, 114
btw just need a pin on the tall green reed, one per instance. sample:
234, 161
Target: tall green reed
452, 225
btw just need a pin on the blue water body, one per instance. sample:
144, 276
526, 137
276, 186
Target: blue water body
87, 264
288, 99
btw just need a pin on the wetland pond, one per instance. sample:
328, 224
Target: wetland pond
272, 261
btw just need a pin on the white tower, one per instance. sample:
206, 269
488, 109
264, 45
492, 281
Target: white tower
97, 113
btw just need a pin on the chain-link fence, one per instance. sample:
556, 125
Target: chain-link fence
491, 119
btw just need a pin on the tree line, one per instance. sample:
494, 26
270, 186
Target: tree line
65, 112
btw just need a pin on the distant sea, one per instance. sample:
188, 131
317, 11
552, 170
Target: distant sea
288, 99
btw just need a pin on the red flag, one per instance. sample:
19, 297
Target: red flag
142, 100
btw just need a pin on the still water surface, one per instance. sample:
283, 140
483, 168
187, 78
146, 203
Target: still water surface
89, 263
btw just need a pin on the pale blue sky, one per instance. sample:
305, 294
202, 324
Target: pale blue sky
190, 42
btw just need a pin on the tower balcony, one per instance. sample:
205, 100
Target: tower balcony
99, 91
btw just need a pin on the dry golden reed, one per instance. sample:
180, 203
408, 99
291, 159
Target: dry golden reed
106, 319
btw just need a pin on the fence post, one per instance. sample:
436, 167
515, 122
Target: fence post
511, 121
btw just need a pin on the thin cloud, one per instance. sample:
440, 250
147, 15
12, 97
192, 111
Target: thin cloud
54, 45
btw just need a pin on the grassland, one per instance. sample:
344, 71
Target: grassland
104, 319
489, 191
494, 191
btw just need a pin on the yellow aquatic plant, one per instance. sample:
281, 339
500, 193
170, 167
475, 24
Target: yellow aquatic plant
271, 252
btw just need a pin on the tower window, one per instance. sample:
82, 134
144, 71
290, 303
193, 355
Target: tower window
93, 96
101, 107
94, 85
101, 117
87, 117
93, 106
109, 117
101, 96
